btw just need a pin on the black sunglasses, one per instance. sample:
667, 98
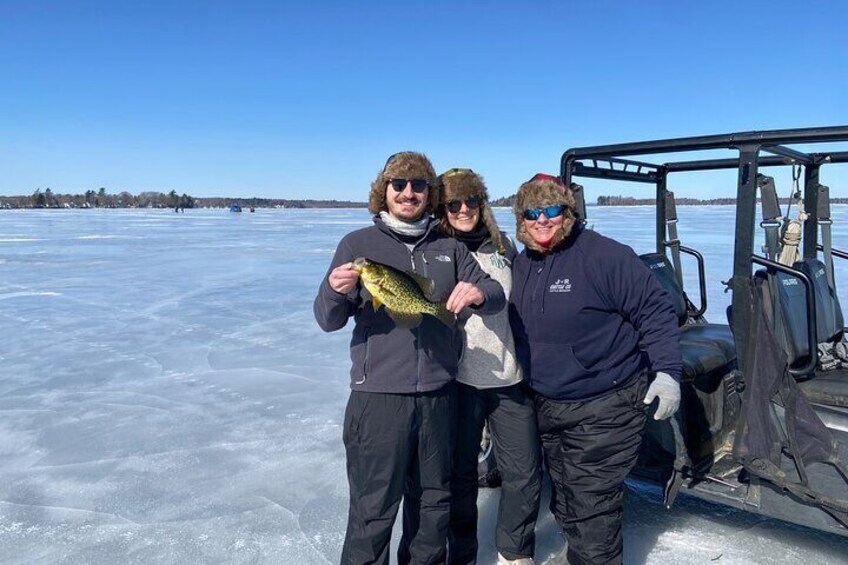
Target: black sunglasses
454, 206
549, 212
418, 185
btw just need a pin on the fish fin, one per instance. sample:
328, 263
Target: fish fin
427, 286
405, 320
375, 301
445, 316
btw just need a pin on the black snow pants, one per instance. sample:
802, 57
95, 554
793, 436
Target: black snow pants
590, 447
512, 423
398, 446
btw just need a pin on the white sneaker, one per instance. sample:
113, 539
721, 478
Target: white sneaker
520, 561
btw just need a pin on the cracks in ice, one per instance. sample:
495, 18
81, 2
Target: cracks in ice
297, 517
71, 509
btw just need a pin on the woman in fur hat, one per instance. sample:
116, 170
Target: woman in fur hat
489, 389
590, 321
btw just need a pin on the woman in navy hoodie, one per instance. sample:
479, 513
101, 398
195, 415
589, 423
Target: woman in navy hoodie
597, 339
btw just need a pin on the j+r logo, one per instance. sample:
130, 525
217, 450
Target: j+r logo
561, 285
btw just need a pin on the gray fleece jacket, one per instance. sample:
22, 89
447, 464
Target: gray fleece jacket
488, 354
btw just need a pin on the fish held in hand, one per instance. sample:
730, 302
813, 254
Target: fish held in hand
404, 296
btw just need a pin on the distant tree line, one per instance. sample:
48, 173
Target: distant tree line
680, 201
101, 199
98, 199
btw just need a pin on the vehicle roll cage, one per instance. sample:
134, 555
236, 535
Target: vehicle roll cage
755, 149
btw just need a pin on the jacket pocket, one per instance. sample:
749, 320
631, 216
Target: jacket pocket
554, 368
360, 350
556, 360
365, 359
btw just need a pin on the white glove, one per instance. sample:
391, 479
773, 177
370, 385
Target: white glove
668, 391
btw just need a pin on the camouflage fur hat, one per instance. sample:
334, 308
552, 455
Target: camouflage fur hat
540, 191
404, 165
461, 184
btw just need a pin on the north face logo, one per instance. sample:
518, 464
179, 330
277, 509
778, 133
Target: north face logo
443, 258
561, 285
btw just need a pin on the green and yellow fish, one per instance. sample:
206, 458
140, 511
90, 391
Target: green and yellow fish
403, 295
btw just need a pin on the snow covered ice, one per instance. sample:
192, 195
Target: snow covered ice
166, 396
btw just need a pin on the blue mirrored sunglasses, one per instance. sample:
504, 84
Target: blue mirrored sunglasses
548, 211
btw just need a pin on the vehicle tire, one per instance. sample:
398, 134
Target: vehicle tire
488, 475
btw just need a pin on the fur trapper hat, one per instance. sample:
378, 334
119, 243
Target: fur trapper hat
461, 184
540, 191
404, 165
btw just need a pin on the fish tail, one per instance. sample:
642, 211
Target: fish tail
445, 316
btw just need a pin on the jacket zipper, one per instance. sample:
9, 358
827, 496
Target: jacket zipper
536, 282
418, 356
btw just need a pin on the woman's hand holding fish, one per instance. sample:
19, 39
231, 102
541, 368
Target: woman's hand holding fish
464, 294
343, 278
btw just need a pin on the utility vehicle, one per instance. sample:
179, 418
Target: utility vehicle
763, 421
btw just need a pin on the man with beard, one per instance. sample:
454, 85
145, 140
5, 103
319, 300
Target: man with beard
401, 415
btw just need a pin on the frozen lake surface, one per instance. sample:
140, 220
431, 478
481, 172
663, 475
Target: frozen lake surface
166, 396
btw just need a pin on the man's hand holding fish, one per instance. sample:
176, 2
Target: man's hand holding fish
343, 278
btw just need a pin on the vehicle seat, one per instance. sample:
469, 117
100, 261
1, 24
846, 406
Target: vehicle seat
829, 321
706, 348
786, 306
828, 388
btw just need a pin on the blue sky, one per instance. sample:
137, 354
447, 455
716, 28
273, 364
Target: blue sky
292, 101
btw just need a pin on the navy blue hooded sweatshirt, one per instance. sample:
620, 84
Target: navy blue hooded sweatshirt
589, 317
